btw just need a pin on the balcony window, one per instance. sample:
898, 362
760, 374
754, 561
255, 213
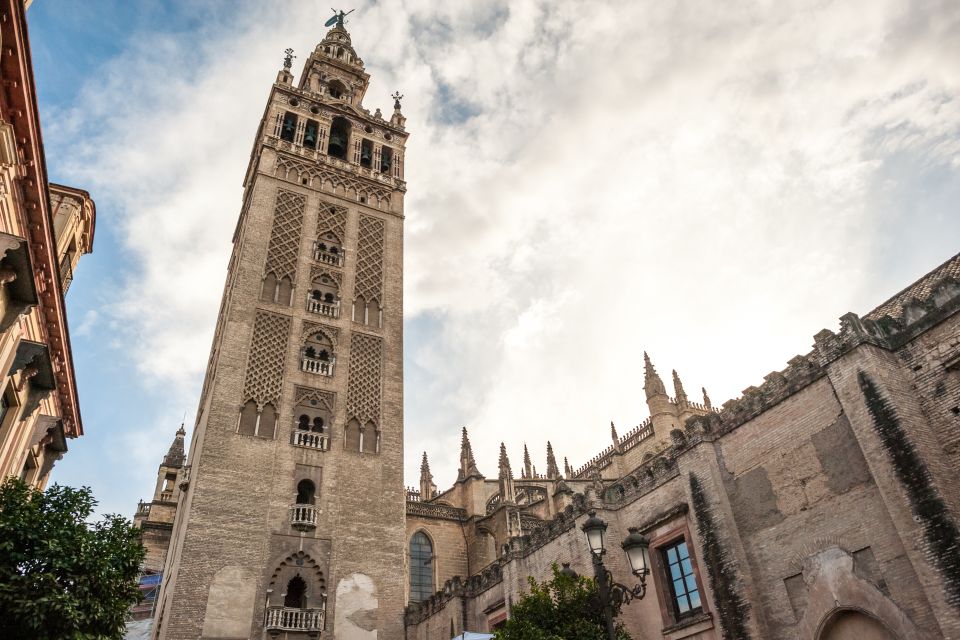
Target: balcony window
289, 127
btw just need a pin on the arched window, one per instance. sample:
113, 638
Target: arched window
421, 567
305, 492
248, 419
318, 424
303, 422
296, 596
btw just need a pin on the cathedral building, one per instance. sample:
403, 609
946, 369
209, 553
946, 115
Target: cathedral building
820, 505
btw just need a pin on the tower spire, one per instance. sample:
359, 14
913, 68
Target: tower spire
678, 393
175, 456
468, 466
706, 398
614, 436
527, 466
567, 471
507, 493
652, 384
552, 471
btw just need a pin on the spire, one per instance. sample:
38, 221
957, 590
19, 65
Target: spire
468, 466
397, 118
505, 471
427, 488
567, 471
706, 398
174, 457
652, 384
678, 392
527, 466
614, 436
552, 471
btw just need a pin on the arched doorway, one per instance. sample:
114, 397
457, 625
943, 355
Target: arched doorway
855, 625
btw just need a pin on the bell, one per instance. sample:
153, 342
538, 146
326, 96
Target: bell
338, 145
309, 139
365, 155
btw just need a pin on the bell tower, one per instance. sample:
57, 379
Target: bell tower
291, 521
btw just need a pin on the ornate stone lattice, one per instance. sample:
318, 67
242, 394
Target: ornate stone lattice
332, 219
334, 179
318, 271
370, 260
364, 389
315, 398
264, 379
311, 328
285, 237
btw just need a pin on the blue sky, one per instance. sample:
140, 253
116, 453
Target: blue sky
586, 181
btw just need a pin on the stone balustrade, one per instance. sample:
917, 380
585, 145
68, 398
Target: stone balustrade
331, 309
320, 367
310, 440
292, 619
327, 257
303, 516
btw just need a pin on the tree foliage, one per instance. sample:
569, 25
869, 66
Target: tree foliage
60, 575
565, 608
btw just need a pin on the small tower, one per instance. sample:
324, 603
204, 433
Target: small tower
427, 488
662, 411
155, 518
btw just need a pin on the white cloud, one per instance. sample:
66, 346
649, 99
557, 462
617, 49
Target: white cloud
586, 180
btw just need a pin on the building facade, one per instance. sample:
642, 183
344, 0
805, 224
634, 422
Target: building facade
44, 229
822, 504
291, 513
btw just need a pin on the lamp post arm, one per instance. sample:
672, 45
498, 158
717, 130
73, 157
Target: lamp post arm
604, 588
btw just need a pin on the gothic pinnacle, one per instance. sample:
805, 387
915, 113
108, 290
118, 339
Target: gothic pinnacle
424, 464
613, 433
567, 471
552, 471
652, 384
679, 394
505, 471
527, 466
706, 398
468, 466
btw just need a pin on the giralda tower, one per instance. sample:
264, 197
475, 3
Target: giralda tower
291, 522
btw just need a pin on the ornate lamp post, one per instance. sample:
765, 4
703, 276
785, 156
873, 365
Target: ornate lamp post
613, 594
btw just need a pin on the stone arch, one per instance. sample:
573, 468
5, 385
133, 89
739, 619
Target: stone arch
302, 564
833, 587
853, 623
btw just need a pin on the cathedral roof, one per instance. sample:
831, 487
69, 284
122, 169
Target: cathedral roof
919, 290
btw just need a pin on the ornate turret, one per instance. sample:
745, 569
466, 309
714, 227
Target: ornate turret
468, 466
427, 488
652, 384
552, 471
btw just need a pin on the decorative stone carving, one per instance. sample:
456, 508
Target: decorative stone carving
284, 244
370, 260
364, 387
264, 377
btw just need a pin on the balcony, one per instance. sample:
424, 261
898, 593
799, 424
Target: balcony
303, 516
328, 257
315, 365
310, 440
290, 619
331, 309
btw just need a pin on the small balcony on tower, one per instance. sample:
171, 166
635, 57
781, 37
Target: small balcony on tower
323, 304
310, 432
317, 355
303, 513
293, 619
328, 253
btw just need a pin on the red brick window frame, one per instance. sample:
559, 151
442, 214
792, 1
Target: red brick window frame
660, 572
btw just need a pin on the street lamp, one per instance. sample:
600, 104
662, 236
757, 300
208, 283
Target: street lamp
613, 594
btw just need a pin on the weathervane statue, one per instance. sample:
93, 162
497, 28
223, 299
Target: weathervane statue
337, 18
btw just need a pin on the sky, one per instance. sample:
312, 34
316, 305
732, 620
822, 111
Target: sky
710, 182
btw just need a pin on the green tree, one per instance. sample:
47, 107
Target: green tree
565, 608
62, 577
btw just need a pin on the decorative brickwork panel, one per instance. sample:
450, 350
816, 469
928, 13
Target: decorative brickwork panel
332, 219
370, 259
317, 272
363, 392
315, 398
285, 238
264, 379
312, 328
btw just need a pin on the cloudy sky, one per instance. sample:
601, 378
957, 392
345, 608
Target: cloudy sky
710, 182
